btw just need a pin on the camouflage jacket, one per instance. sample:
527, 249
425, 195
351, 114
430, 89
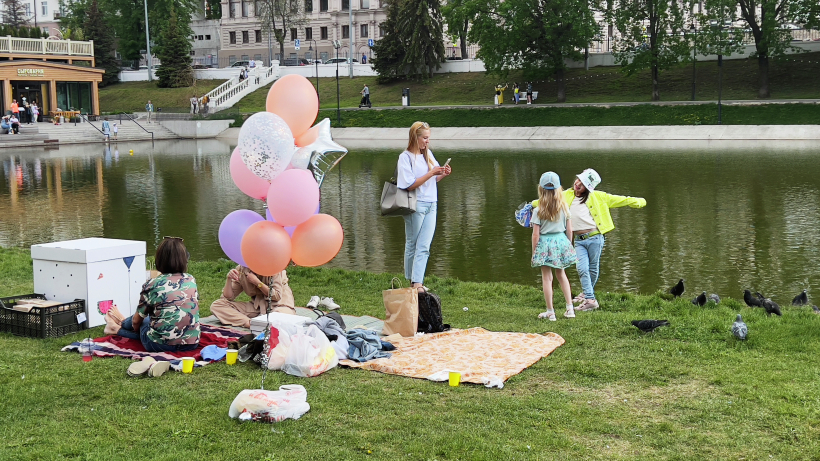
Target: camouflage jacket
172, 302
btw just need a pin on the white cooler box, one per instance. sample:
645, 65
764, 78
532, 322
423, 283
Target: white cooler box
103, 272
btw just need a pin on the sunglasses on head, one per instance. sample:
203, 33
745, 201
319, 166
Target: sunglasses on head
181, 240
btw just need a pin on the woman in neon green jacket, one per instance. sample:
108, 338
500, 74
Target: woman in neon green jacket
589, 209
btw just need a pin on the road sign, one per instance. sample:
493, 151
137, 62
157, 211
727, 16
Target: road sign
370, 43
297, 43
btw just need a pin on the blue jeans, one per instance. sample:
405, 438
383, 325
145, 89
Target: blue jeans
419, 228
127, 331
589, 262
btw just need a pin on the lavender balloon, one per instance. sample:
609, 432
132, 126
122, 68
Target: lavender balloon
232, 229
266, 144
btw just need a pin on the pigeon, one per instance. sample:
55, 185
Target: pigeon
800, 300
649, 325
770, 306
816, 309
739, 328
751, 301
700, 300
714, 298
678, 289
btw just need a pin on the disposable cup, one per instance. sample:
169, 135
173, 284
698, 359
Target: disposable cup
455, 378
188, 364
230, 356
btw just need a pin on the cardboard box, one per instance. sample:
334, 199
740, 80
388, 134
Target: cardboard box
103, 272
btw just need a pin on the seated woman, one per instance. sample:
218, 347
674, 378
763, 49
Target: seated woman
239, 313
167, 318
4, 125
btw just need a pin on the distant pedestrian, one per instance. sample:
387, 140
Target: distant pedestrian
15, 108
529, 92
365, 96
364, 58
150, 109
241, 75
252, 64
116, 129
106, 129
194, 101
15, 123
515, 93
25, 112
499, 94
204, 106
35, 111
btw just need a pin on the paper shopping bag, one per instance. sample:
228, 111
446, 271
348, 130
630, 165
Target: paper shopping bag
401, 310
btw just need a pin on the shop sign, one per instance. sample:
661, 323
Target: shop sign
31, 73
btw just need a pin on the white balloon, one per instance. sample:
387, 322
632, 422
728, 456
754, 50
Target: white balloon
266, 144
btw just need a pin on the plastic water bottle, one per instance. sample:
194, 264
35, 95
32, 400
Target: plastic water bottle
86, 348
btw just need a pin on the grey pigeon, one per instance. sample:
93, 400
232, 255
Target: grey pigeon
700, 300
816, 309
714, 298
678, 289
770, 306
800, 300
649, 325
739, 328
750, 300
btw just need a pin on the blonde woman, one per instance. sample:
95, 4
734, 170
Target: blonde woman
419, 170
551, 241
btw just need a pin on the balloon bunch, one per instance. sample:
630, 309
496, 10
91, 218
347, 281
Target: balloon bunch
278, 159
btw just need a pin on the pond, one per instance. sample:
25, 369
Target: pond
722, 219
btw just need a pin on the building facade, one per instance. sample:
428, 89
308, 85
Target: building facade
243, 37
206, 37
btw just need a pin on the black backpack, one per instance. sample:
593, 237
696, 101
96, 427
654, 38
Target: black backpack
430, 320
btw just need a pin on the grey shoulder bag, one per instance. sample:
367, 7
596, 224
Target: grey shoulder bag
396, 201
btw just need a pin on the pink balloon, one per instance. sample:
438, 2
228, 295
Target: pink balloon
294, 99
266, 247
293, 197
252, 185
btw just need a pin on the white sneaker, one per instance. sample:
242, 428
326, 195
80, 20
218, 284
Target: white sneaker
313, 303
328, 303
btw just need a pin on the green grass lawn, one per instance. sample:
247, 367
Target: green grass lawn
688, 391
132, 96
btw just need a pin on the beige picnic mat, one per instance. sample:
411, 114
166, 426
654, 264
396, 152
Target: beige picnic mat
481, 356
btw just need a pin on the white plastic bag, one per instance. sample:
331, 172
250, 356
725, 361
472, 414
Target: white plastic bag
277, 354
290, 401
310, 354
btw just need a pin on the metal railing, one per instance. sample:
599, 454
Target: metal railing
138, 124
9, 44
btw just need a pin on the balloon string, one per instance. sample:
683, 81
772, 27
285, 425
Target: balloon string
267, 336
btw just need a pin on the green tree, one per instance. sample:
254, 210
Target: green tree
458, 15
537, 36
389, 50
175, 55
96, 28
14, 13
421, 24
651, 35
764, 20
279, 16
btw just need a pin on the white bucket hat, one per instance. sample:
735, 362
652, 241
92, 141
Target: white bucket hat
590, 178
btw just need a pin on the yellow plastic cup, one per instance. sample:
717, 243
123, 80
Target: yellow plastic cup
188, 364
455, 378
230, 356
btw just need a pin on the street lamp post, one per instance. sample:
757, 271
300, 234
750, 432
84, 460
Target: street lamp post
337, 44
694, 32
720, 26
315, 61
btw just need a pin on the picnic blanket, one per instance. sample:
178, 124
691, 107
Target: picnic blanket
117, 346
481, 356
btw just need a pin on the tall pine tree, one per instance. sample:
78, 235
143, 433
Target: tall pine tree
175, 56
421, 22
390, 49
96, 28
14, 13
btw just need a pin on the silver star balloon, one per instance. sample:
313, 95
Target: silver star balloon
320, 156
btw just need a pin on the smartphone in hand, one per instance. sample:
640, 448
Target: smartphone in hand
446, 163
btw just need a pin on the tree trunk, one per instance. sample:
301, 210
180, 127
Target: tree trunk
463, 39
763, 71
562, 86
656, 91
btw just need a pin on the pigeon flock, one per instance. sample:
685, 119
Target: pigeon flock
739, 328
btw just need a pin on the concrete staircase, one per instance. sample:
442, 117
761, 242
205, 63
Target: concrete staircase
30, 135
91, 131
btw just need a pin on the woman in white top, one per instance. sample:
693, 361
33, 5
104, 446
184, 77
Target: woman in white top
419, 170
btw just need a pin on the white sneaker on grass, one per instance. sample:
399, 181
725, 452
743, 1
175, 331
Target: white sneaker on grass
328, 303
313, 303
548, 315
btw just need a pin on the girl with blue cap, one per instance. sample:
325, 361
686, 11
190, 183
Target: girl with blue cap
551, 241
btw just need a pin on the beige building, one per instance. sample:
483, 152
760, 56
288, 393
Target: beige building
243, 38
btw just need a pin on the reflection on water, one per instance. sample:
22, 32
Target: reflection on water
724, 220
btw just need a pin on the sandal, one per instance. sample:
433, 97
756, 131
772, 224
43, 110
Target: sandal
140, 368
581, 297
548, 315
158, 368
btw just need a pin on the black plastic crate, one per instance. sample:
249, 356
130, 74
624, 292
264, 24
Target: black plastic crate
41, 322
